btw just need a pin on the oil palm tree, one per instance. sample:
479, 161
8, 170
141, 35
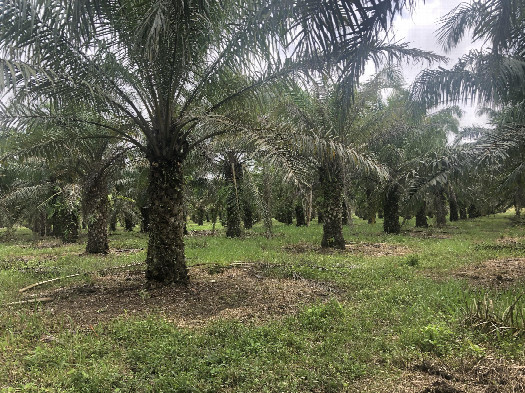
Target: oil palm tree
166, 68
86, 160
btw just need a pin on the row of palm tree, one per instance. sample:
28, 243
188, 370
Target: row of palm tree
170, 81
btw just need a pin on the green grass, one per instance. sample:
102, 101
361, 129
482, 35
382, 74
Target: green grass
390, 310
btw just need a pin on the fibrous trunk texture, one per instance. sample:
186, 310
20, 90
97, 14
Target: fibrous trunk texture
144, 223
391, 209
233, 216
453, 205
518, 199
128, 222
441, 208
267, 202
473, 211
200, 215
370, 208
248, 216
331, 182
40, 223
65, 221
96, 204
165, 260
300, 217
233, 175
68, 223
421, 216
462, 210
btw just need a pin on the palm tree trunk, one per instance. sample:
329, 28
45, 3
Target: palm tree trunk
453, 204
300, 217
233, 215
96, 204
128, 222
391, 209
69, 226
144, 223
331, 182
370, 208
165, 260
113, 221
267, 202
233, 175
421, 216
441, 209
248, 215
309, 206
518, 199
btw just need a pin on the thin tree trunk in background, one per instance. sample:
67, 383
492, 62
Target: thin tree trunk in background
473, 211
344, 214
462, 209
440, 203
421, 216
453, 204
96, 204
144, 223
248, 216
300, 217
391, 209
309, 206
370, 209
518, 199
233, 170
331, 181
128, 222
267, 202
113, 222
348, 206
165, 259
65, 222
69, 225
200, 215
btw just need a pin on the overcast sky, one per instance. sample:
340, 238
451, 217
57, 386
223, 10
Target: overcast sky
419, 30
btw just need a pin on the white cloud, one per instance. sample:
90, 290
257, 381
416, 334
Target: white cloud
419, 31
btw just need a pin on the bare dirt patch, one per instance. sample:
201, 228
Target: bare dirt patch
512, 241
488, 375
43, 243
499, 273
240, 293
121, 251
429, 234
370, 249
202, 232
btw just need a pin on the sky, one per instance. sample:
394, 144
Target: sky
418, 29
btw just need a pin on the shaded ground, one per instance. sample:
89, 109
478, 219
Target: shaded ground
370, 249
500, 273
241, 293
487, 375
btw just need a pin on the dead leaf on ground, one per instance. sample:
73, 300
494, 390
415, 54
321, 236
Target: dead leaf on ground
368, 249
488, 375
239, 293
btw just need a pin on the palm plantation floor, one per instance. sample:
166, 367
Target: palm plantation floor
436, 310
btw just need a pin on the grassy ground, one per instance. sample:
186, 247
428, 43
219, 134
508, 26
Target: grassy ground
424, 311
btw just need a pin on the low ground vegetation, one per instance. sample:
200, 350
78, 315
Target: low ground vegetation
434, 310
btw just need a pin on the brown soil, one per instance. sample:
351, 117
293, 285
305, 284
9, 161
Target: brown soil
202, 232
429, 234
487, 375
511, 241
498, 273
240, 293
370, 249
